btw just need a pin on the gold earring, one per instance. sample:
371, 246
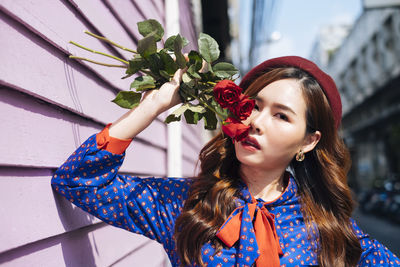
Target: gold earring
300, 156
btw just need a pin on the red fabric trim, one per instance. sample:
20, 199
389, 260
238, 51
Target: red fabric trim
111, 144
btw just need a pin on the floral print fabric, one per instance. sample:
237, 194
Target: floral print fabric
149, 206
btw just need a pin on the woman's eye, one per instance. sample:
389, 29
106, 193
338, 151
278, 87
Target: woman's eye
256, 107
282, 116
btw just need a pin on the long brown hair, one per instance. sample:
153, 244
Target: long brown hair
324, 195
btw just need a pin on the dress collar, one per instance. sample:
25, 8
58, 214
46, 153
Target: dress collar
246, 197
252, 226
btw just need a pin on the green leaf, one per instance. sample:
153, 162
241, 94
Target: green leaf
186, 92
151, 27
127, 99
192, 72
135, 65
155, 63
171, 118
191, 117
185, 41
210, 120
224, 70
176, 114
186, 109
196, 108
143, 82
186, 78
180, 58
165, 74
208, 47
209, 77
169, 43
195, 63
147, 46
195, 57
170, 65
222, 111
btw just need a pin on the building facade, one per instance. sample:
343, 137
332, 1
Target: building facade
366, 68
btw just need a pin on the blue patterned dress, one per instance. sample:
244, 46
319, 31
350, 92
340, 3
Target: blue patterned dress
150, 206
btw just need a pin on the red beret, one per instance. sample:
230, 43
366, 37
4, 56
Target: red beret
325, 81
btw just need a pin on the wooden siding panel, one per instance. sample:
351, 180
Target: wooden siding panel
97, 245
44, 137
191, 141
132, 249
186, 22
148, 9
43, 18
53, 104
129, 14
188, 168
160, 7
54, 78
101, 17
34, 212
33, 66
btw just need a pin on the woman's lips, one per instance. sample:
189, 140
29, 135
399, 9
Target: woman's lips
250, 141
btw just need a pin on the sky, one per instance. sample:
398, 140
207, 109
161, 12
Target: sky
298, 22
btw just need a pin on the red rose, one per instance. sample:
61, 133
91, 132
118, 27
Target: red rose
226, 93
243, 108
235, 129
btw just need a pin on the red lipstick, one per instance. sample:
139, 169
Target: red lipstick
250, 142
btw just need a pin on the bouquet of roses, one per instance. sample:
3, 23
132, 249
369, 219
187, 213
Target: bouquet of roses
205, 94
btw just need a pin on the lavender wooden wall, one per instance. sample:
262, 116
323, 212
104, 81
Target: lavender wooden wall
49, 105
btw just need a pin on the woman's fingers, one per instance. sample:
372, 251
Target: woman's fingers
178, 76
204, 67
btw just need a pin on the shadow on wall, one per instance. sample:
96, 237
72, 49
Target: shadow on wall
75, 242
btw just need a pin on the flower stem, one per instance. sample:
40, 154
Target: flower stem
98, 63
205, 104
98, 52
110, 42
149, 73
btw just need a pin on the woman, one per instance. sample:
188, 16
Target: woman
277, 197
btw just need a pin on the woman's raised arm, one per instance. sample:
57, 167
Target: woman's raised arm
89, 178
153, 103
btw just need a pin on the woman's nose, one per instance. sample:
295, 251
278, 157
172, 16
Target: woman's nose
254, 122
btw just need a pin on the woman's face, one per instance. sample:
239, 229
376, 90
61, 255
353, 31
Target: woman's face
278, 127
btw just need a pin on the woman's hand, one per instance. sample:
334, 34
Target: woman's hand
167, 96
153, 103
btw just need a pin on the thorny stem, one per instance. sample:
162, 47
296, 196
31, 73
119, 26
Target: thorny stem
98, 52
98, 63
110, 42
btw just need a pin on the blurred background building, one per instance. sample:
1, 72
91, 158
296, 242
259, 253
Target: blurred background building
366, 67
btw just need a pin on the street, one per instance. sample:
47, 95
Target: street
385, 231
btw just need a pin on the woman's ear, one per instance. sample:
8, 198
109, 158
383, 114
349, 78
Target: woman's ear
311, 141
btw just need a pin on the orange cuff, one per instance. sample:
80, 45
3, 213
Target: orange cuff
111, 144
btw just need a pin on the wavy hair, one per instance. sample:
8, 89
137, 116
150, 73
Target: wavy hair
324, 195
